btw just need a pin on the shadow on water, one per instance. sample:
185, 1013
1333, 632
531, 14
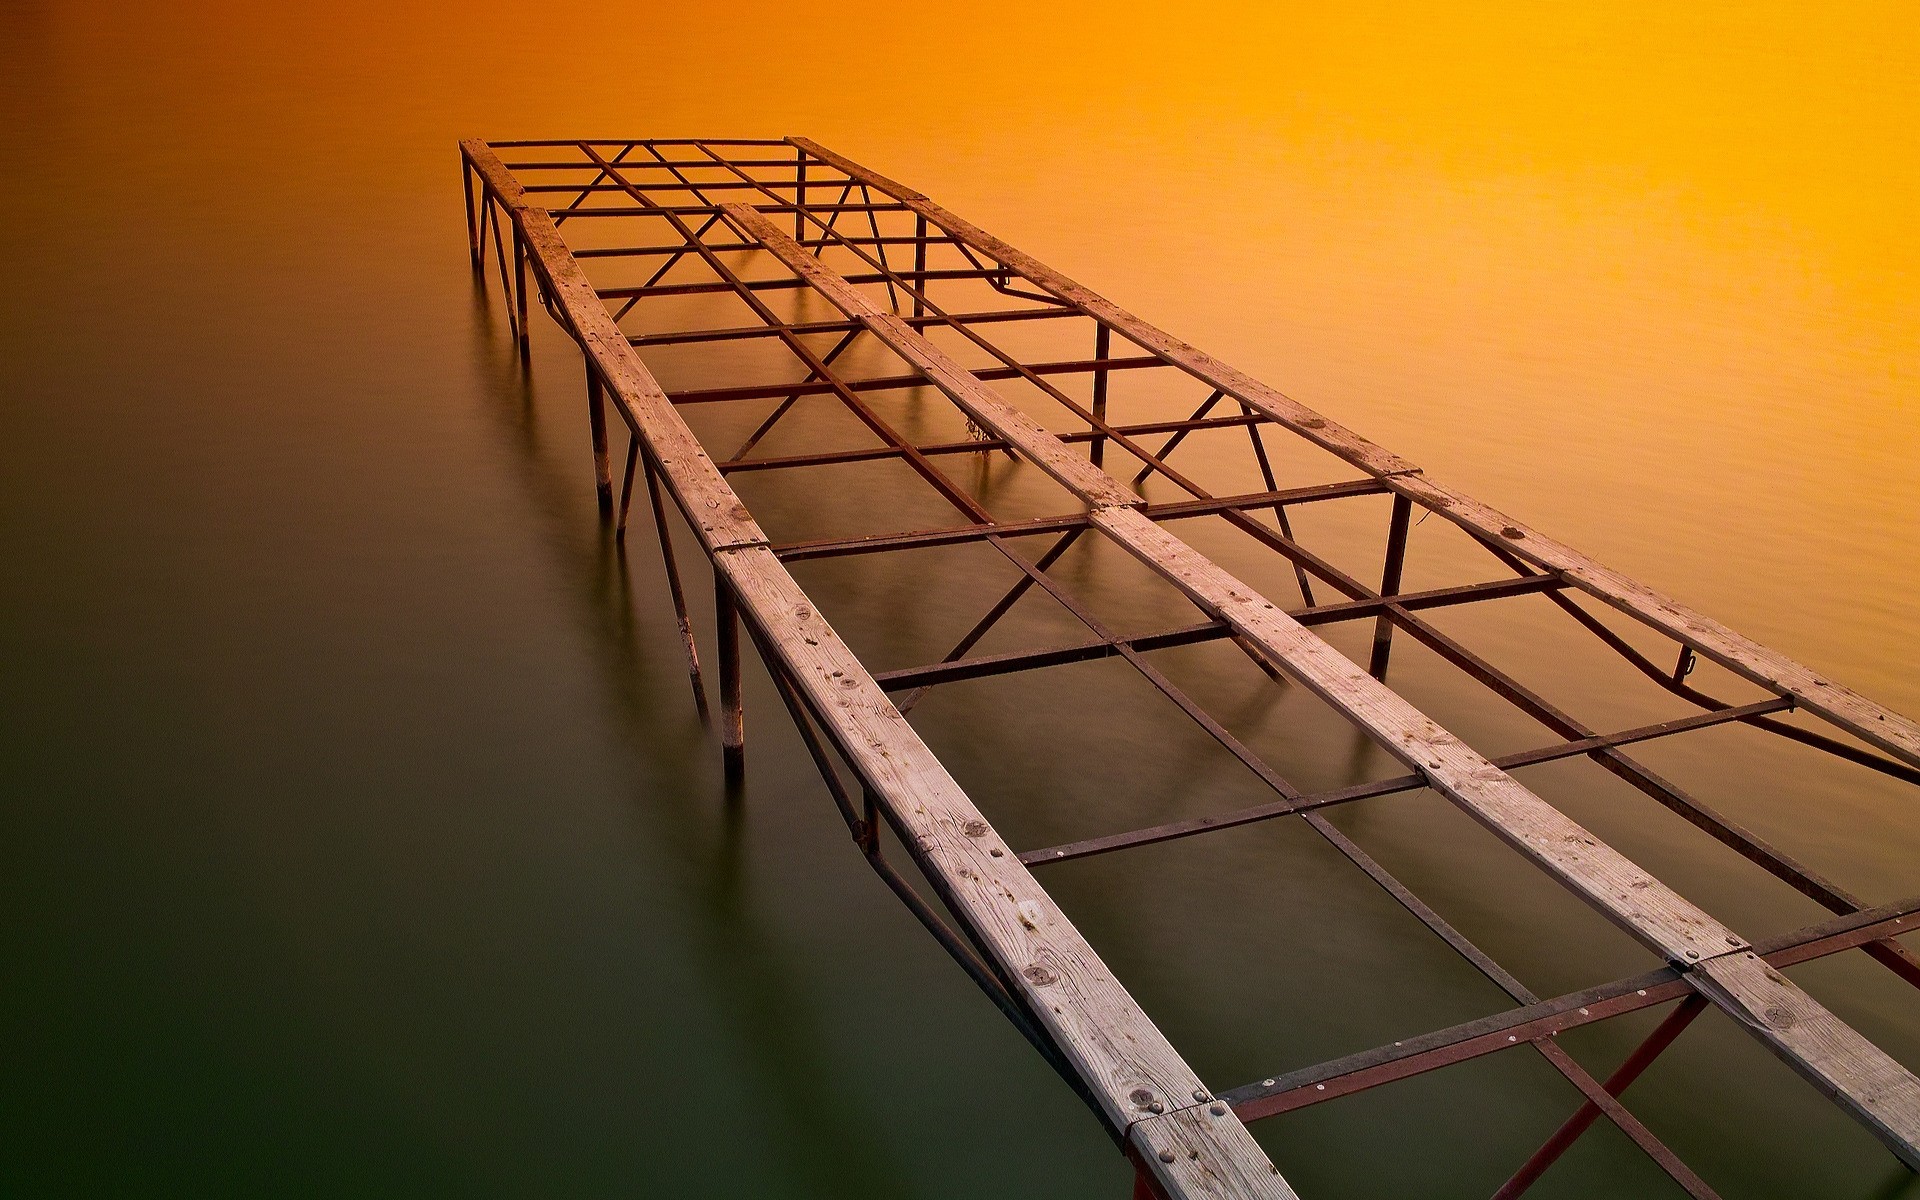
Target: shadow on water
836, 1155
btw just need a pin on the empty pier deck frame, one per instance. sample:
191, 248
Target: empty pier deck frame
761, 225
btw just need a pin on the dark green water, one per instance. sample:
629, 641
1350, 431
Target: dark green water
360, 837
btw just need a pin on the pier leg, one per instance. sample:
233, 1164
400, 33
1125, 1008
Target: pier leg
919, 266
800, 198
597, 419
1102, 340
520, 286
500, 260
626, 490
733, 726
1390, 584
679, 594
473, 227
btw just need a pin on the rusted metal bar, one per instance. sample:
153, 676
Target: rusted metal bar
1382, 787
597, 426
764, 597
1390, 584
733, 726
674, 589
1101, 347
889, 383
1503, 1031
1636, 1063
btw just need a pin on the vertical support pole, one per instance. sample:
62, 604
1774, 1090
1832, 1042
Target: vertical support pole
800, 197
473, 226
597, 421
626, 489
667, 560
1390, 583
1102, 339
520, 286
919, 266
733, 725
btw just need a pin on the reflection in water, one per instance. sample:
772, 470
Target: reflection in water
794, 1079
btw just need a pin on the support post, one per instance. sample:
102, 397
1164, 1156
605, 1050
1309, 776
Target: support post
672, 566
520, 287
473, 226
597, 421
919, 266
733, 725
1102, 339
1390, 584
800, 197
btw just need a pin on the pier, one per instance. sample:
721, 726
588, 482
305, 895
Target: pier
958, 312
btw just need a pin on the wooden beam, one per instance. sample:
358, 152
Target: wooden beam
1126, 1064
1881, 1093
1873, 723
1878, 726
1854, 1072
1329, 435
718, 517
1021, 432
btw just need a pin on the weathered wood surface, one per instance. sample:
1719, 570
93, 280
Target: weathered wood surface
1298, 417
1873, 723
1021, 432
1887, 730
1637, 902
1876, 1089
1174, 1148
499, 181
716, 513
1127, 1063
1857, 1074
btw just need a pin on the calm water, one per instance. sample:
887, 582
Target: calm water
361, 839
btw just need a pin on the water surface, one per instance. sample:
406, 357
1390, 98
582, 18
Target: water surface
361, 838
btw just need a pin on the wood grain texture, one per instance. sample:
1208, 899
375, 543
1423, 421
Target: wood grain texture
1882, 728
1605, 878
1860, 1076
1020, 431
1875, 724
1138, 1080
1182, 1151
715, 511
1127, 1062
500, 181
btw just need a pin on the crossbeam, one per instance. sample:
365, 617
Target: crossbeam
1857, 1074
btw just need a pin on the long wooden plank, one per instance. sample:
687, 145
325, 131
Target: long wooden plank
1881, 727
1127, 1064
1605, 878
1328, 434
1874, 723
1021, 432
1857, 1074
1632, 898
716, 513
1880, 1092
494, 173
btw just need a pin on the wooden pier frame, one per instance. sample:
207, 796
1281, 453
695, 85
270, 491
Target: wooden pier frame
725, 208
